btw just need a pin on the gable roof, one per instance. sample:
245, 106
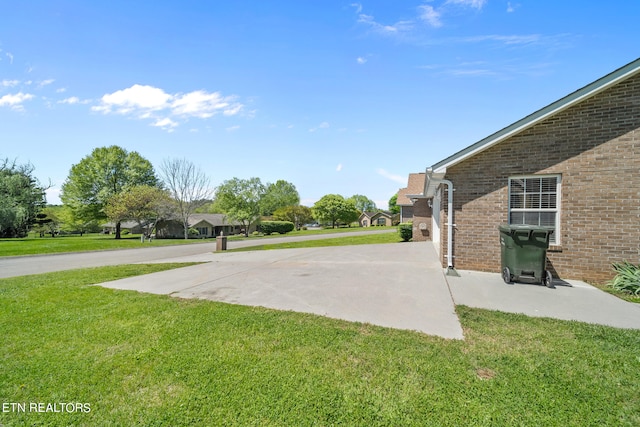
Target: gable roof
127, 224
570, 100
414, 186
373, 215
211, 219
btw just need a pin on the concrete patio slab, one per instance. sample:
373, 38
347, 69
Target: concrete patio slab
568, 300
398, 286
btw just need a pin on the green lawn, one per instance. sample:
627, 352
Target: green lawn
142, 359
351, 239
95, 242
75, 243
316, 231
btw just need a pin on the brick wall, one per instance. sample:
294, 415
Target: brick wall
421, 215
595, 146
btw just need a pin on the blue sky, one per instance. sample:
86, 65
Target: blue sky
334, 96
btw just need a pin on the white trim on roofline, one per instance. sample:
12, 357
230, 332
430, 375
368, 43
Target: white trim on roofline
530, 120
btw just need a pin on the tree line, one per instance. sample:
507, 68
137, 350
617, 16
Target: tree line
113, 184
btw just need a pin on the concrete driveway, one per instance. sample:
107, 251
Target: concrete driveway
11, 266
398, 286
394, 285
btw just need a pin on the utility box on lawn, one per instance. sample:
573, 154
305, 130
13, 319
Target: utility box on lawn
523, 253
221, 243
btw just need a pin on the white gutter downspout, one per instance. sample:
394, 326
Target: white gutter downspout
450, 270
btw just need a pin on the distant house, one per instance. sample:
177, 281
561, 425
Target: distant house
369, 219
414, 208
207, 225
131, 226
573, 165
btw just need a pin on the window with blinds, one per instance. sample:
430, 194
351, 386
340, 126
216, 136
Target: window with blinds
535, 200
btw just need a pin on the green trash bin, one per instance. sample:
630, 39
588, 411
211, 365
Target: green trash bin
523, 253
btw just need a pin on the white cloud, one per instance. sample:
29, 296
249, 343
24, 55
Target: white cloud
70, 100
360, 60
429, 15
508, 40
204, 105
323, 125
10, 56
358, 7
74, 100
426, 13
339, 167
148, 102
477, 4
9, 83
135, 98
234, 108
61, 90
395, 29
396, 178
471, 72
165, 124
232, 128
510, 7
15, 101
44, 83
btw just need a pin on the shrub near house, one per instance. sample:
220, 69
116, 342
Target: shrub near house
280, 227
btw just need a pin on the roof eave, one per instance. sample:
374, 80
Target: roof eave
534, 118
432, 181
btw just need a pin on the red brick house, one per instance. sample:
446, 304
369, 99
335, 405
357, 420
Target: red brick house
414, 208
573, 165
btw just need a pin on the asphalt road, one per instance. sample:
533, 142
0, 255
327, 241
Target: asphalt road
37, 264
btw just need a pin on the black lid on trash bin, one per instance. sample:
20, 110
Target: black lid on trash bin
509, 228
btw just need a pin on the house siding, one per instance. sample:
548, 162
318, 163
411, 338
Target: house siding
406, 213
595, 147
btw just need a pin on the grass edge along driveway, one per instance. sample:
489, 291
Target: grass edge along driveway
100, 242
147, 359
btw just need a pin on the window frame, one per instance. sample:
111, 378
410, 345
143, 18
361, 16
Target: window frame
555, 237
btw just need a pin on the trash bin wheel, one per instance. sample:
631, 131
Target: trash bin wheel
506, 275
548, 279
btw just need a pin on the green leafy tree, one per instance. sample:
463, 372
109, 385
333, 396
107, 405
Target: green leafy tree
393, 206
71, 224
21, 198
363, 203
47, 222
278, 195
189, 187
240, 199
351, 214
298, 215
333, 208
107, 171
142, 203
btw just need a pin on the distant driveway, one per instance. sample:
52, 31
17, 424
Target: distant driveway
37, 264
